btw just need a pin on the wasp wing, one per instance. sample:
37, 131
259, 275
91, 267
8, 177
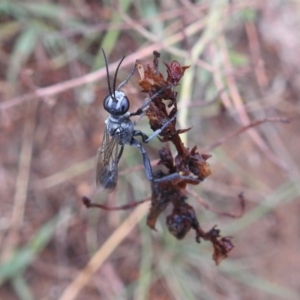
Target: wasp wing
107, 162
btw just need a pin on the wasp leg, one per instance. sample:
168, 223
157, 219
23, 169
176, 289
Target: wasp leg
148, 168
172, 176
160, 130
146, 161
141, 109
147, 139
120, 153
142, 134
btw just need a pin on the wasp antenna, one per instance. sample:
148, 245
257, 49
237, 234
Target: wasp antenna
107, 72
115, 79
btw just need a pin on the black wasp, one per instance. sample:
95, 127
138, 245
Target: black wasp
119, 131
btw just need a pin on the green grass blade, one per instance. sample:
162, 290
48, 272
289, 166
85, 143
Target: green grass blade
21, 288
22, 258
22, 50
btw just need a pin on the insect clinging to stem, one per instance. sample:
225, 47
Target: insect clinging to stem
119, 131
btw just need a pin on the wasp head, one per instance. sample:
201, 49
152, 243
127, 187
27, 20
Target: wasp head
116, 103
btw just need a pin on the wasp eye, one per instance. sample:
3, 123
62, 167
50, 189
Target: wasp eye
117, 104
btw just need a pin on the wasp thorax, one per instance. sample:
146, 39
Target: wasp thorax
117, 103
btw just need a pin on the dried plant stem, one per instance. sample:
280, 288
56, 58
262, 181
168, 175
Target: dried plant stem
220, 213
97, 75
83, 278
234, 134
239, 106
22, 181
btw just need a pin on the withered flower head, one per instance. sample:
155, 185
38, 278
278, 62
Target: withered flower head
182, 219
175, 71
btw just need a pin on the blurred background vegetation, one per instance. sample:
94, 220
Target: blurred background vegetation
52, 86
